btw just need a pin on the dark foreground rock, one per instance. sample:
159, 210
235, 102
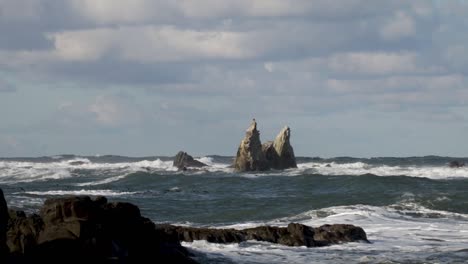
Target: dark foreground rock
3, 227
78, 229
81, 229
183, 161
292, 235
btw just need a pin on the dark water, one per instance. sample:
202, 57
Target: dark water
416, 202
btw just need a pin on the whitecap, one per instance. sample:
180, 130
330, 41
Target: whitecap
22, 171
104, 181
362, 168
79, 192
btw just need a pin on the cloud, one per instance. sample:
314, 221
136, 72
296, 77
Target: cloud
6, 87
400, 26
404, 92
373, 63
456, 55
144, 11
23, 10
269, 66
114, 111
140, 67
153, 44
149, 44
163, 41
104, 12
142, 44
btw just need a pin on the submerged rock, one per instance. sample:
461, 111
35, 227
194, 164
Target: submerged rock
292, 235
456, 164
250, 156
183, 161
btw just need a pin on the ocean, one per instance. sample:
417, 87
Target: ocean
414, 210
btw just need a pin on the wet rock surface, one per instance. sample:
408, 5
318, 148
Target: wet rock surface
293, 235
184, 161
249, 155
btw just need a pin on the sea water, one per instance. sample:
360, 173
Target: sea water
414, 210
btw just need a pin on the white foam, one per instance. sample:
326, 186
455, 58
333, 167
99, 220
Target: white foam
13, 172
398, 233
80, 192
214, 166
206, 160
19, 171
105, 181
360, 168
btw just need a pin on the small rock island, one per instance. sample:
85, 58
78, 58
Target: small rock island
253, 156
183, 161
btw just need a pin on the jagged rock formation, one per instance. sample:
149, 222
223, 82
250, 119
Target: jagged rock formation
277, 154
183, 161
292, 235
249, 154
280, 153
23, 232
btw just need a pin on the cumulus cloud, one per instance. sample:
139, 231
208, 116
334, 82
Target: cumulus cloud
105, 12
149, 43
143, 11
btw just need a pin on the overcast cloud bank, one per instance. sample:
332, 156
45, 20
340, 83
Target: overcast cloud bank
141, 77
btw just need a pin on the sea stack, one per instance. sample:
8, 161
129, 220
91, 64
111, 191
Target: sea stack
284, 151
249, 155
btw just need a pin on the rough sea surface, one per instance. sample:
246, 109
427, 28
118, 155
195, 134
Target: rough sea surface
414, 210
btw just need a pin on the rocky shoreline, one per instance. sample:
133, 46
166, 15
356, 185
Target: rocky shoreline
77, 229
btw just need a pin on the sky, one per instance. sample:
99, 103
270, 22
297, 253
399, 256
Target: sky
360, 78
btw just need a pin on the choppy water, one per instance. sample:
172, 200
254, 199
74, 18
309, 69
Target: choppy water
414, 210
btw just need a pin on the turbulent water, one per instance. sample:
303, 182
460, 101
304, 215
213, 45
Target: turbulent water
414, 210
